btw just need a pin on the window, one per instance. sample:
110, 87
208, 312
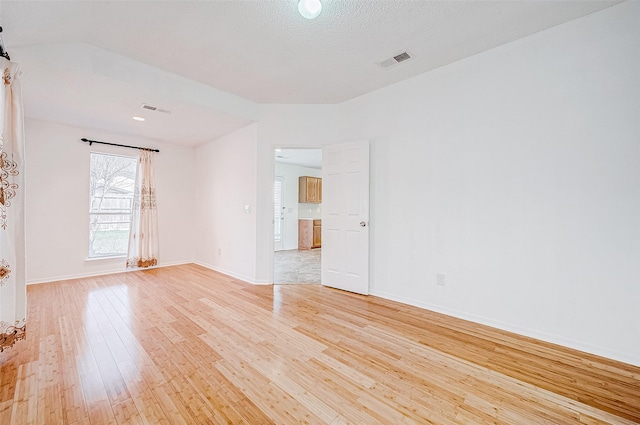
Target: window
112, 179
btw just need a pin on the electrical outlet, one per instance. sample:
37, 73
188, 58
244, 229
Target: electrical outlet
440, 279
219, 251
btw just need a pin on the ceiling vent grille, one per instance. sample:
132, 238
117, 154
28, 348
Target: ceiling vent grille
401, 57
155, 108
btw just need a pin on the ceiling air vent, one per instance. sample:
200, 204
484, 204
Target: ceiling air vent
388, 63
402, 57
155, 108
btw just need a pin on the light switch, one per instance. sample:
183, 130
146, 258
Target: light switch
247, 209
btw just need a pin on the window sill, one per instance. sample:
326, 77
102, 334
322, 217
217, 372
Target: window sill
115, 257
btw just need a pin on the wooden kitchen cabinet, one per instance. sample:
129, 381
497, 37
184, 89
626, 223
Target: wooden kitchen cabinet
309, 190
309, 233
317, 234
305, 234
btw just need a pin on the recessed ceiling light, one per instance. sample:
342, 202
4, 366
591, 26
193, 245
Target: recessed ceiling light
309, 9
138, 118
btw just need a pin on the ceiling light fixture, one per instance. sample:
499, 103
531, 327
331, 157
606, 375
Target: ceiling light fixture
309, 9
138, 118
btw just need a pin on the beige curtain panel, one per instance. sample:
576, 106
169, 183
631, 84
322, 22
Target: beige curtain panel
13, 294
143, 237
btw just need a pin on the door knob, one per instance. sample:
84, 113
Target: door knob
363, 224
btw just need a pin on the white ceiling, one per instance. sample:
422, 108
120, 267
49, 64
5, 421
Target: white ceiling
93, 63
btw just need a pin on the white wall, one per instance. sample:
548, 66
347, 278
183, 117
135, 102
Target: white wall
225, 237
57, 200
516, 173
295, 210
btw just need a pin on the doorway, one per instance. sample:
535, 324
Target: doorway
296, 216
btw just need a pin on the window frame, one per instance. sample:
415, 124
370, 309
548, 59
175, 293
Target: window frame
91, 255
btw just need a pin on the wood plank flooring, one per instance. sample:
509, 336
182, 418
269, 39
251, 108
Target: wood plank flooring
186, 345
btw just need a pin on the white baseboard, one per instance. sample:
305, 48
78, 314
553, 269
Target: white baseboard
232, 274
532, 333
100, 273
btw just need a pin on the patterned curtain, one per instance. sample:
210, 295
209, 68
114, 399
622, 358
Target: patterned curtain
13, 293
143, 237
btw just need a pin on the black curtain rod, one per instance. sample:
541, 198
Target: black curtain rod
3, 51
115, 144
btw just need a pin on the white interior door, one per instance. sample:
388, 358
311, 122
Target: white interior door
278, 214
345, 216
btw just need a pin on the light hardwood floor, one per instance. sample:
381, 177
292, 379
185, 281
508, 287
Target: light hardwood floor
185, 345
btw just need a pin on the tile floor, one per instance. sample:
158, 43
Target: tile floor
294, 266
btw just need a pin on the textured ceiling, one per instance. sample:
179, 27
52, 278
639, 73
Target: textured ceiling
257, 51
